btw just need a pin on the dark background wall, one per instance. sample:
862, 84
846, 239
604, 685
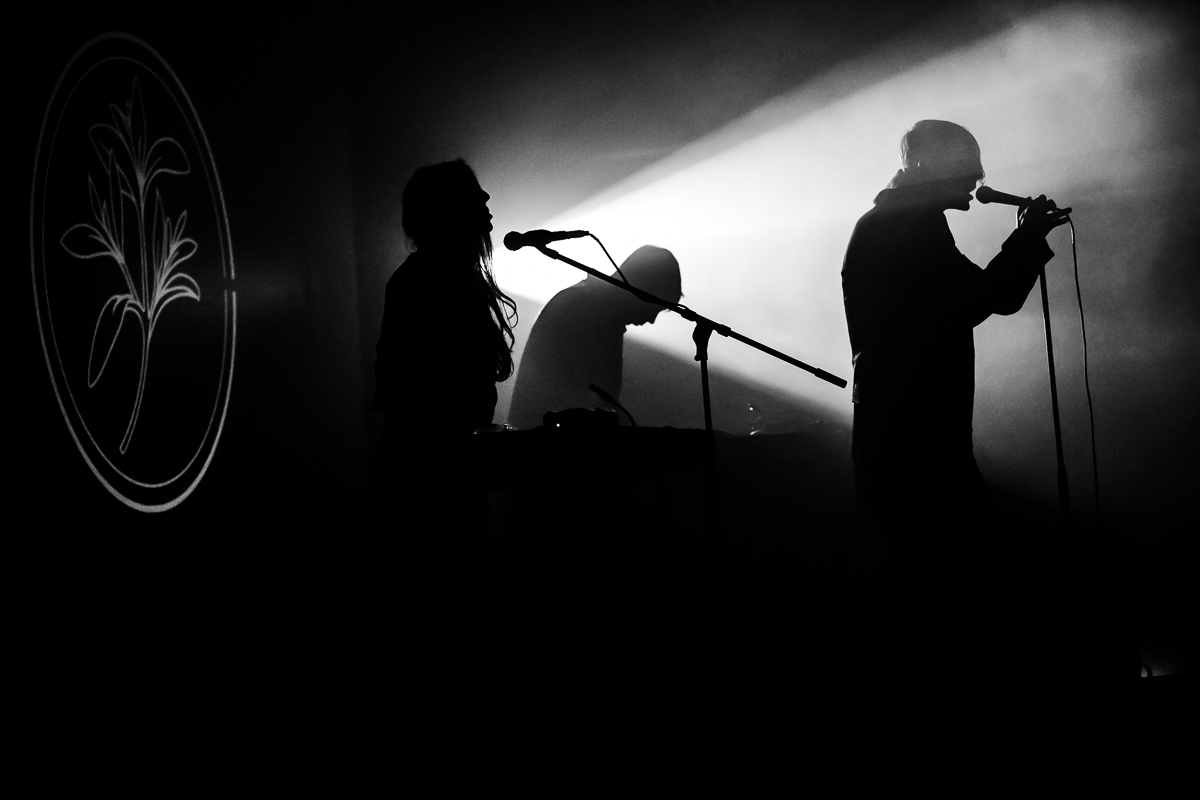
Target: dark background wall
238, 556
316, 123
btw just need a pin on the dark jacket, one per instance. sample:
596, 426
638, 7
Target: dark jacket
435, 364
912, 301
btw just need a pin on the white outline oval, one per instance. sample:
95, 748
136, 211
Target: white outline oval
229, 348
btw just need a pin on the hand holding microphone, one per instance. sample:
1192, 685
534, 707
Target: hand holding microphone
1037, 215
1041, 216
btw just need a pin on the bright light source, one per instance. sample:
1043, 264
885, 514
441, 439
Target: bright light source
759, 214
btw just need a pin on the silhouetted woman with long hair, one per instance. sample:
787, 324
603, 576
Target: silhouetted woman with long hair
446, 341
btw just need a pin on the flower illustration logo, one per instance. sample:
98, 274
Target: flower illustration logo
127, 217
129, 177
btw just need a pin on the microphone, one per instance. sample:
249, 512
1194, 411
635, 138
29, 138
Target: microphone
986, 194
539, 238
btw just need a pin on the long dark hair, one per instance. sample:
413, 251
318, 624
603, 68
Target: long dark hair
442, 205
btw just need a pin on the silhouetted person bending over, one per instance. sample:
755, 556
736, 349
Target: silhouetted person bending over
445, 342
579, 337
912, 301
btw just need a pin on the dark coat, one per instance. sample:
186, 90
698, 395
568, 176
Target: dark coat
435, 363
912, 301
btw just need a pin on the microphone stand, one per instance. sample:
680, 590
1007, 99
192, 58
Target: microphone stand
1064, 500
985, 194
704, 329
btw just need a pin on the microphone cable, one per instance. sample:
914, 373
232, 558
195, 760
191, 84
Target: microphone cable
677, 305
1086, 381
1144, 669
610, 258
608, 398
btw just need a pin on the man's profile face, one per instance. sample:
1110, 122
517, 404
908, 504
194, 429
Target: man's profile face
959, 190
651, 313
646, 313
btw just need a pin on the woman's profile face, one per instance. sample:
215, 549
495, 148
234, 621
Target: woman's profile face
470, 209
444, 205
486, 214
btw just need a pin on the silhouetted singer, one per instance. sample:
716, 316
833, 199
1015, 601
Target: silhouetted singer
446, 340
912, 301
579, 338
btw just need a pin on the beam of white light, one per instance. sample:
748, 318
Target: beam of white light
760, 225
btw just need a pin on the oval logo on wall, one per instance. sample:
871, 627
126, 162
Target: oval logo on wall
133, 272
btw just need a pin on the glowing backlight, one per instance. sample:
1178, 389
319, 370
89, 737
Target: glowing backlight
759, 214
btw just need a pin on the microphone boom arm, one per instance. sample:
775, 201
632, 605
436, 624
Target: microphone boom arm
698, 319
